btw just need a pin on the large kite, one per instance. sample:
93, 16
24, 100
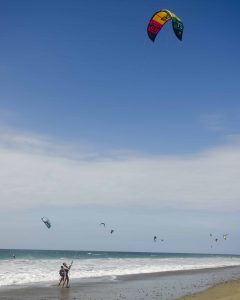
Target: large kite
159, 19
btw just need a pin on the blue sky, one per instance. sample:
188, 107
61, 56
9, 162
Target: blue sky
97, 122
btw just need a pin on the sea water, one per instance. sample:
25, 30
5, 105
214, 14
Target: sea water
42, 266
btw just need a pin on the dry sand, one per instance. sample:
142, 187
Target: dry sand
224, 291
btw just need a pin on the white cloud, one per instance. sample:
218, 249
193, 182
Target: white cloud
35, 171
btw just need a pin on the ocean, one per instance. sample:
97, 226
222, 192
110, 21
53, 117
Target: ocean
42, 266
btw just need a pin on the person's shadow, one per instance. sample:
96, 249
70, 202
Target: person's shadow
64, 294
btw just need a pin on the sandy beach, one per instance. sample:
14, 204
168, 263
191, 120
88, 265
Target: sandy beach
201, 284
224, 291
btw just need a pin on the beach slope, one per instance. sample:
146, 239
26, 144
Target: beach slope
223, 291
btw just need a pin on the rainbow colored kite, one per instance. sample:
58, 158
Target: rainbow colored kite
159, 19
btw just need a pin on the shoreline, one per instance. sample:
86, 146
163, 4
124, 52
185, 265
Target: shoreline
165, 286
172, 272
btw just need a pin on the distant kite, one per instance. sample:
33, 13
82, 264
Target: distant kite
103, 224
159, 19
155, 238
46, 221
225, 236
112, 231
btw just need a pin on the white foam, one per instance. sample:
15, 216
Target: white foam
18, 272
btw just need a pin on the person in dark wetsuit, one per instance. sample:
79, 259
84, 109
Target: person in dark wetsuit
62, 275
66, 278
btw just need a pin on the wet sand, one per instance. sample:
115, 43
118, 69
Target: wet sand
164, 286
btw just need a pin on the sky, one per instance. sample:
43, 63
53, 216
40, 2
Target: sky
100, 124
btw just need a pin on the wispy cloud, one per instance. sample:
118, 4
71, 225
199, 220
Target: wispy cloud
37, 171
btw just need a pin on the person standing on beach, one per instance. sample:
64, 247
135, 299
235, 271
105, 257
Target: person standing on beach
62, 275
66, 270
